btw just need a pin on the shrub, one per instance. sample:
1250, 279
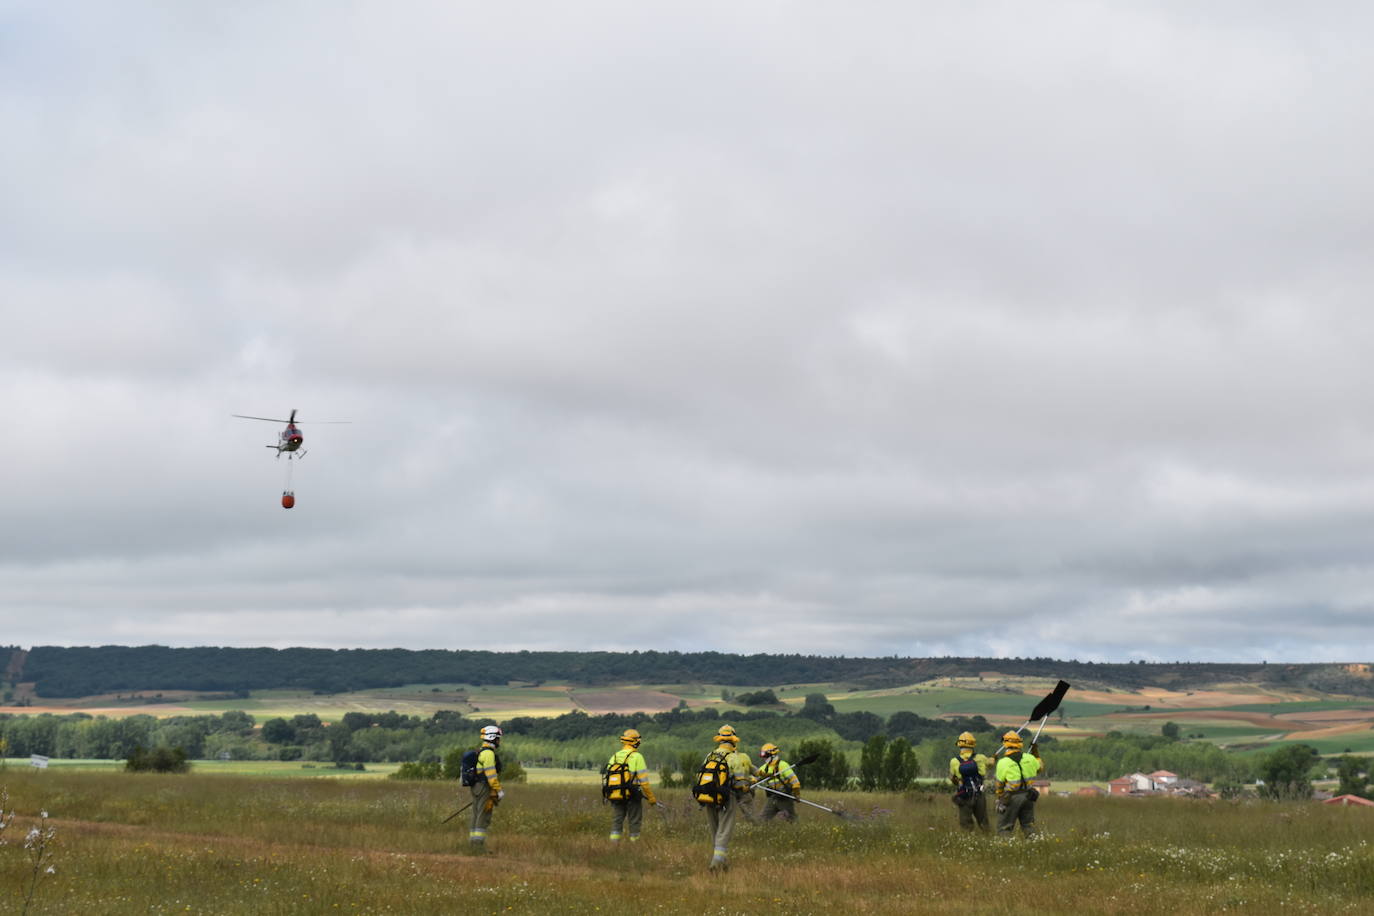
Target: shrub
158, 760
758, 698
430, 769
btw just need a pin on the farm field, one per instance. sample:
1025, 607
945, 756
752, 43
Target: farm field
1233, 715
138, 843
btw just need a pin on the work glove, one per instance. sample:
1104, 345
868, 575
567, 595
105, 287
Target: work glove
1035, 748
954, 780
500, 794
1001, 807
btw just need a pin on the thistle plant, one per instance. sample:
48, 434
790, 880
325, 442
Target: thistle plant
38, 847
6, 817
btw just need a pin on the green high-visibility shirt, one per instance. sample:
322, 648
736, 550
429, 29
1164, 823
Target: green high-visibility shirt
1016, 775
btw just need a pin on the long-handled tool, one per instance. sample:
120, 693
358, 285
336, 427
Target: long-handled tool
1042, 709
456, 813
805, 802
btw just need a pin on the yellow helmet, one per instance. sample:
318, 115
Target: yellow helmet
966, 740
630, 737
769, 750
726, 733
1012, 740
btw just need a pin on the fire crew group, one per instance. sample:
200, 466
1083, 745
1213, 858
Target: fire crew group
726, 778
1014, 774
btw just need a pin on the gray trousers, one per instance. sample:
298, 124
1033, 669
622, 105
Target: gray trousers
482, 807
1020, 809
721, 822
631, 811
974, 809
776, 805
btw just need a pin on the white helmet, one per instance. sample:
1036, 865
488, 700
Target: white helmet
491, 733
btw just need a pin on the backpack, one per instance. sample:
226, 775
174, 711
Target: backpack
972, 785
467, 770
617, 780
712, 783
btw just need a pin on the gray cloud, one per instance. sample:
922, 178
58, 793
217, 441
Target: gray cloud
970, 331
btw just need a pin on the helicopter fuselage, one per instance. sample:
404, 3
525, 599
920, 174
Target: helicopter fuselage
289, 439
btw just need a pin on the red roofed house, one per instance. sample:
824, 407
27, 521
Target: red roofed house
1344, 800
1121, 786
1163, 778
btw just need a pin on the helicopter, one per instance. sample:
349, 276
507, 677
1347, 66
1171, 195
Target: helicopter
290, 439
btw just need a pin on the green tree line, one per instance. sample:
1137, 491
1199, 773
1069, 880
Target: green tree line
70, 671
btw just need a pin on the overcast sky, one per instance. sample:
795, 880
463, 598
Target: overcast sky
915, 328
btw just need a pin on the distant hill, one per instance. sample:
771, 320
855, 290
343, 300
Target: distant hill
58, 671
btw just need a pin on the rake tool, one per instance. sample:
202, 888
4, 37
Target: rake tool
839, 814
456, 813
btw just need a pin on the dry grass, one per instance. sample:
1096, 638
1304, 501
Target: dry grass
146, 843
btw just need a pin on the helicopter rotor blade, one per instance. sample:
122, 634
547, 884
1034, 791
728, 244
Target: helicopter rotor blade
244, 416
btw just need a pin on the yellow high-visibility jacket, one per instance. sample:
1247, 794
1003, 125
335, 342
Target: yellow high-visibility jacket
1015, 775
741, 770
786, 779
486, 766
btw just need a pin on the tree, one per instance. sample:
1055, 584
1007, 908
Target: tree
278, 731
830, 769
871, 763
237, 722
899, 766
1353, 773
817, 707
1286, 772
1169, 730
758, 698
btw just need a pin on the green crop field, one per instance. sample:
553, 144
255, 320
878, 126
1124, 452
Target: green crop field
139, 843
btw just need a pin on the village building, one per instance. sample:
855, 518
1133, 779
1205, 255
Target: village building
1163, 778
1122, 785
1348, 800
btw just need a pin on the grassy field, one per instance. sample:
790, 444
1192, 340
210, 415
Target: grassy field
285, 770
146, 843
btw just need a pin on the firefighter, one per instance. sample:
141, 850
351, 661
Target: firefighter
778, 774
968, 770
721, 782
486, 787
626, 786
1015, 794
